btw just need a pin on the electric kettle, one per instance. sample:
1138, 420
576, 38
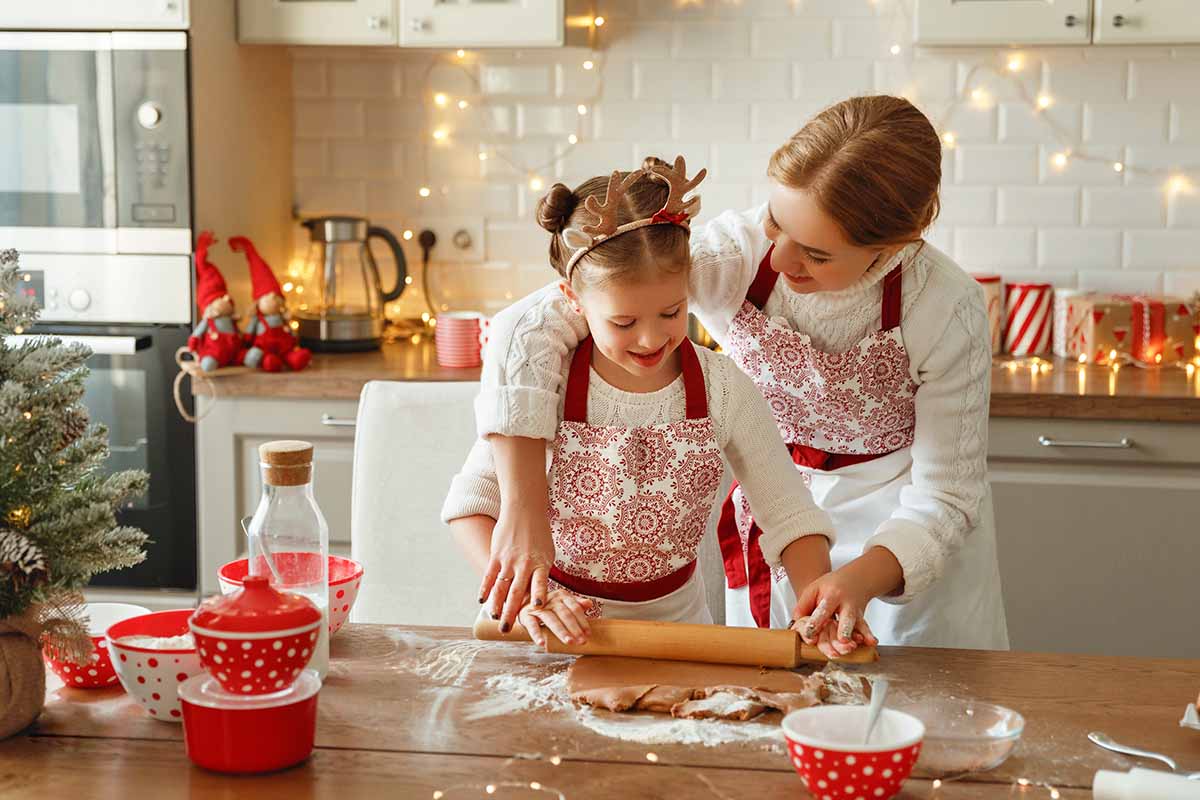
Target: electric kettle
342, 308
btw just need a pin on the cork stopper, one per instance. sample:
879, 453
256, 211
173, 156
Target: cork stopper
287, 462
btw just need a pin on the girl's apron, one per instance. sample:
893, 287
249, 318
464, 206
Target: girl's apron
848, 420
629, 506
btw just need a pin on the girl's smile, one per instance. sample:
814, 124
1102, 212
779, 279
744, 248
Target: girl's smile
649, 360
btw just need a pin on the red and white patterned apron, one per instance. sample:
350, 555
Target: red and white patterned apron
629, 506
833, 410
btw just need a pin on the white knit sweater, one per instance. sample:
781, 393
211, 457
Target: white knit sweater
745, 431
945, 331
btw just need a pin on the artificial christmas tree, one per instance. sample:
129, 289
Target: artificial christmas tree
57, 507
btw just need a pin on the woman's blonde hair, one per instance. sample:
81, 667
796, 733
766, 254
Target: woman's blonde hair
872, 163
630, 256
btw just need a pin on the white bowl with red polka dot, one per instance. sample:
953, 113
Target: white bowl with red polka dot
825, 746
97, 672
345, 578
152, 674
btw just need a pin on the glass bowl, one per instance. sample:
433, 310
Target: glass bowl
964, 736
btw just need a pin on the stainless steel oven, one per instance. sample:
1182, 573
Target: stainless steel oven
95, 194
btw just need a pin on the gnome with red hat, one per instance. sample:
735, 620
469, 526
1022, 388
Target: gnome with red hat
215, 341
272, 343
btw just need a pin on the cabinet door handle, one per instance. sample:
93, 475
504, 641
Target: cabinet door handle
330, 421
1119, 21
1071, 21
1125, 443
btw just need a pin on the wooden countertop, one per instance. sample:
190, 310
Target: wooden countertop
399, 717
1068, 390
1064, 390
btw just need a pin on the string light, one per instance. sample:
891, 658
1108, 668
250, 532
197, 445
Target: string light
440, 100
440, 135
1178, 183
949, 139
408, 234
1118, 166
582, 109
483, 156
573, 139
894, 49
1044, 101
424, 191
536, 184
461, 53
598, 22
589, 64
1059, 160
652, 758
463, 105
408, 280
1016, 62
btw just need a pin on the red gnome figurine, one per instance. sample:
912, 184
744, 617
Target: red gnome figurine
272, 343
215, 341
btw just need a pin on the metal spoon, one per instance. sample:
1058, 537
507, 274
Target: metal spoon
1103, 740
879, 690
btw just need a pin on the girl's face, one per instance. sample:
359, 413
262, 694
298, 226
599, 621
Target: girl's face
811, 251
636, 325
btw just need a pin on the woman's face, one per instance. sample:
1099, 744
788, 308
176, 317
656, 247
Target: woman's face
811, 251
637, 326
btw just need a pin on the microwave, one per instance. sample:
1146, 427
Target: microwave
94, 143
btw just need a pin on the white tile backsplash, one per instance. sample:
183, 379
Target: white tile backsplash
725, 82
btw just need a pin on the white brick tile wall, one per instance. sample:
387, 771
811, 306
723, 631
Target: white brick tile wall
1122, 207
1039, 205
1079, 248
725, 82
994, 164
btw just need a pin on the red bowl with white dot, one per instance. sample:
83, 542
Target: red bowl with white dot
97, 671
345, 578
256, 640
151, 671
825, 747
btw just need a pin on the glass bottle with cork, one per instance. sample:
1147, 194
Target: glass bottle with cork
288, 535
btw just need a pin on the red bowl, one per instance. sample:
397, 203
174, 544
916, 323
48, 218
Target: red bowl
152, 675
256, 663
345, 578
249, 734
824, 744
98, 672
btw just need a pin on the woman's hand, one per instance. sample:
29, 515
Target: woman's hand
522, 547
830, 613
563, 613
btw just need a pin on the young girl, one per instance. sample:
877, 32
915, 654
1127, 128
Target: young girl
873, 353
641, 423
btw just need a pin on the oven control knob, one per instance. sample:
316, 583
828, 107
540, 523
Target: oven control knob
149, 114
80, 299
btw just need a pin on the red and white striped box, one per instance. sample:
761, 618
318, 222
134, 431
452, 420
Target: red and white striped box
1028, 318
993, 292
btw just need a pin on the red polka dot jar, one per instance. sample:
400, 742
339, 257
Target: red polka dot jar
152, 673
256, 640
825, 746
345, 578
97, 671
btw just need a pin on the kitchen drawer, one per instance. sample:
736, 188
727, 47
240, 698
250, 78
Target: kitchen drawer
1065, 440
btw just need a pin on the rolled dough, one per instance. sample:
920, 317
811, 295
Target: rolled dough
690, 689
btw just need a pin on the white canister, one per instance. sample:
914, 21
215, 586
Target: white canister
1143, 784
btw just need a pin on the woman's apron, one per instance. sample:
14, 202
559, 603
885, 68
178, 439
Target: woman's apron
629, 506
848, 420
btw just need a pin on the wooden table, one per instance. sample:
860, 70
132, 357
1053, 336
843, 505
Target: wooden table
387, 731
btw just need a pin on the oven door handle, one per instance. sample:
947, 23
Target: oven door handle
101, 345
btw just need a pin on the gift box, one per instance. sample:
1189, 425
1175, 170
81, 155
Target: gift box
1099, 328
993, 292
1068, 319
1028, 318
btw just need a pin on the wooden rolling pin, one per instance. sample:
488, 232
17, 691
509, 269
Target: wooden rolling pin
676, 641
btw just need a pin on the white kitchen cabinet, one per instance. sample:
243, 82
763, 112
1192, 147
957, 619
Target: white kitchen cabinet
481, 23
1146, 22
1098, 544
90, 15
317, 22
1000, 22
229, 483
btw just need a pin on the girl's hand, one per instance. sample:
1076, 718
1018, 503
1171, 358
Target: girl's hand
563, 613
839, 600
827, 640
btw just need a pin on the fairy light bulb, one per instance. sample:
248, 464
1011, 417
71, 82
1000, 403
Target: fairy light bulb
536, 184
424, 316
589, 64
440, 100
483, 156
573, 139
440, 135
980, 97
408, 235
894, 49
582, 109
1016, 62
1044, 101
461, 53
1118, 166
408, 280
1178, 183
1059, 160
424, 191
463, 105
949, 139
599, 22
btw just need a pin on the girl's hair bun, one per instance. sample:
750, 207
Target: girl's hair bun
555, 209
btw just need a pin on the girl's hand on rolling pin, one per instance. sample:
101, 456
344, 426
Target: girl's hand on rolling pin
563, 613
826, 639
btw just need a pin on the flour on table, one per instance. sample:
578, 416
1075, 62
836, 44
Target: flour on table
522, 692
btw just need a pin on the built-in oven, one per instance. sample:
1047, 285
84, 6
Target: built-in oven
95, 194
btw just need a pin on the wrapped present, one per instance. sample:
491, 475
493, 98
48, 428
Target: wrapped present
1101, 328
1068, 321
1028, 318
993, 292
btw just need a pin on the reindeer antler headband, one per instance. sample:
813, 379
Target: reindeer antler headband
675, 211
